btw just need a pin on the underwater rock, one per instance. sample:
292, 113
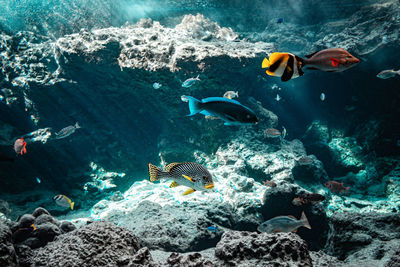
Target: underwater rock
96, 244
141, 258
67, 226
7, 251
321, 259
252, 249
39, 211
278, 202
192, 259
310, 171
369, 237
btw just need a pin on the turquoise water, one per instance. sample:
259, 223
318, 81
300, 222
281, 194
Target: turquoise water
96, 63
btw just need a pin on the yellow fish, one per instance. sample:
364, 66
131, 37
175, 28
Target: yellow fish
284, 65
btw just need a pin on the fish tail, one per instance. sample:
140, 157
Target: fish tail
72, 205
194, 105
77, 126
305, 220
197, 78
154, 172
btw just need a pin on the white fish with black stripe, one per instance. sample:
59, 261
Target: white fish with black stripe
189, 174
64, 201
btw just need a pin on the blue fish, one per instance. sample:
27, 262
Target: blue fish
229, 110
280, 20
212, 229
189, 82
38, 180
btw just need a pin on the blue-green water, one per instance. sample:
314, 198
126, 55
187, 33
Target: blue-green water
95, 62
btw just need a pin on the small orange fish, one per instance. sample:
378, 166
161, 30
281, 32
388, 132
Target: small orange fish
336, 187
20, 146
272, 132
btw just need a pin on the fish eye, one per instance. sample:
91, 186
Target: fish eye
248, 116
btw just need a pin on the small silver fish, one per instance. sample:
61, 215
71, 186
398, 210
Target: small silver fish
231, 94
189, 174
67, 131
284, 224
64, 201
157, 85
386, 74
184, 98
283, 132
277, 98
189, 82
322, 97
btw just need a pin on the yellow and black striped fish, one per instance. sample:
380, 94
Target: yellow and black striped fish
284, 65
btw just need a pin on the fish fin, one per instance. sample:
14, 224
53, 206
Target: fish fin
189, 178
189, 191
77, 126
335, 62
310, 55
171, 165
291, 216
72, 205
294, 231
206, 113
288, 73
173, 184
230, 118
311, 68
197, 78
229, 97
305, 220
194, 105
277, 230
265, 64
154, 172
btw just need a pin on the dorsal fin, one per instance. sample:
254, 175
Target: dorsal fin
310, 55
171, 165
291, 216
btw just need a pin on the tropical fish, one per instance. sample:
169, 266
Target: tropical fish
184, 98
272, 132
189, 82
229, 110
20, 146
269, 183
284, 65
331, 59
284, 132
231, 94
307, 198
213, 229
64, 201
277, 98
289, 66
305, 160
322, 96
21, 234
280, 20
157, 85
386, 74
336, 187
38, 180
189, 174
284, 224
67, 131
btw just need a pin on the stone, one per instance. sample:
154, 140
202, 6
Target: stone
39, 211
252, 249
96, 244
67, 226
7, 251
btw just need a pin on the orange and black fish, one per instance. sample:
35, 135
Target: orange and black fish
20, 146
289, 66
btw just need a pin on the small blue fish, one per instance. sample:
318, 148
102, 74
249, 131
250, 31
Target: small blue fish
229, 110
157, 85
189, 82
280, 20
212, 229
38, 180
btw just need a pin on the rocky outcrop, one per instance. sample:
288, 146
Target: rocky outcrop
96, 244
7, 251
252, 249
371, 238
